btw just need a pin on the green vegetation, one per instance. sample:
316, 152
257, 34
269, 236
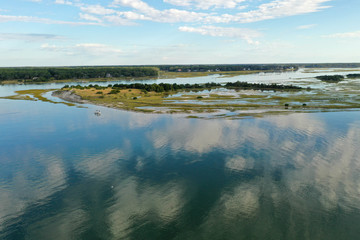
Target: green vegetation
331, 78
50, 74
216, 101
34, 95
255, 102
354, 75
187, 74
227, 67
261, 86
329, 65
46, 74
167, 87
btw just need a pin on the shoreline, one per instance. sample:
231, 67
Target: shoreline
68, 96
194, 103
214, 105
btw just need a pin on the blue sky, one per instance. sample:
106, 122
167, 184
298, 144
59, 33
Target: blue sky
133, 32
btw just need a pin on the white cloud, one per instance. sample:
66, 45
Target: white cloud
242, 33
141, 10
95, 49
355, 34
89, 17
136, 4
53, 48
181, 3
306, 26
274, 9
10, 18
118, 20
97, 9
201, 4
133, 16
175, 15
63, 2
31, 37
168, 15
128, 12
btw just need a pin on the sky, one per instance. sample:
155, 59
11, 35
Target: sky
149, 32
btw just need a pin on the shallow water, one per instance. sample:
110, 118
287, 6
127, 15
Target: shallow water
69, 174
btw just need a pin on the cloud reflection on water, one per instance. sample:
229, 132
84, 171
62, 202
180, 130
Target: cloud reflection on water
137, 203
37, 177
274, 173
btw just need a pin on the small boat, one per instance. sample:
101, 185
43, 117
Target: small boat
97, 113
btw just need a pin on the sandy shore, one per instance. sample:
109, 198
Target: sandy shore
68, 96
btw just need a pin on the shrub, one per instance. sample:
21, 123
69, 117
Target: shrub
114, 91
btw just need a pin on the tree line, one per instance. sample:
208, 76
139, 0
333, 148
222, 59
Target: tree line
331, 78
337, 78
261, 86
353, 75
329, 65
44, 74
167, 87
227, 67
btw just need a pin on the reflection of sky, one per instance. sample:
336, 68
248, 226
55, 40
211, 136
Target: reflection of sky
36, 177
67, 172
136, 202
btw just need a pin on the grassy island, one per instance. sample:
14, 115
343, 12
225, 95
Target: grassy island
331, 78
353, 76
203, 98
232, 100
180, 98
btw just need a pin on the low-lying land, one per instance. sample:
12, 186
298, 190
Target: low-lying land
353, 75
337, 78
24, 75
35, 95
331, 78
169, 75
238, 99
233, 99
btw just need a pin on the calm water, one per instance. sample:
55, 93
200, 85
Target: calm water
68, 174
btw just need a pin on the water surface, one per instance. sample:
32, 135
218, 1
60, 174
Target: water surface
69, 174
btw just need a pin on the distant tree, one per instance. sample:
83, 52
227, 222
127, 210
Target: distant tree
331, 78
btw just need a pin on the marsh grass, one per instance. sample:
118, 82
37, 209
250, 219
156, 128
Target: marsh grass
35, 95
185, 102
239, 103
